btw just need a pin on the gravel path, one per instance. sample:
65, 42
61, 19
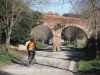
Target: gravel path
47, 63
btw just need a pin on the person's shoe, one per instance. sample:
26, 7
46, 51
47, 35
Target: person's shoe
29, 65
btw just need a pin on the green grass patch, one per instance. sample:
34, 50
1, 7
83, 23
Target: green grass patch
14, 49
71, 46
91, 67
88, 65
41, 45
5, 58
78, 45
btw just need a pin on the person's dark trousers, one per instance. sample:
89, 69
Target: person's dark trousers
29, 53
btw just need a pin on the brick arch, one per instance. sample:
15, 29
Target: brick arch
88, 32
52, 19
86, 39
40, 25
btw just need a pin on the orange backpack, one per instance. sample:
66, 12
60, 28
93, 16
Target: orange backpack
31, 46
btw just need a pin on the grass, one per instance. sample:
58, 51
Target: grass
71, 46
5, 58
91, 67
79, 45
15, 54
41, 45
88, 65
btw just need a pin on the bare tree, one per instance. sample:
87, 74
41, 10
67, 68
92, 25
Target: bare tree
72, 33
13, 9
42, 33
89, 9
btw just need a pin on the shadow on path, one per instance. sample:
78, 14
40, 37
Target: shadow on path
20, 62
4, 73
58, 68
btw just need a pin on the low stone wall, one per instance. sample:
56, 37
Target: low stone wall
21, 46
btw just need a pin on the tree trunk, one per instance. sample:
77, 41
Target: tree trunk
69, 41
96, 44
8, 35
95, 20
7, 43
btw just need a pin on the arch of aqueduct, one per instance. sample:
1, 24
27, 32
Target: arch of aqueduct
51, 19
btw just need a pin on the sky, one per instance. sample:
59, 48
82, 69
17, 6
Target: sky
66, 8
59, 9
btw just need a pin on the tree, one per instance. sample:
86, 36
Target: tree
90, 9
42, 33
1, 19
72, 33
25, 25
71, 15
12, 11
20, 32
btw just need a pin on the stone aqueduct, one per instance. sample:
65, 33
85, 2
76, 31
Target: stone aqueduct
51, 19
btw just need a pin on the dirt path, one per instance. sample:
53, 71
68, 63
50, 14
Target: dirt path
47, 63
